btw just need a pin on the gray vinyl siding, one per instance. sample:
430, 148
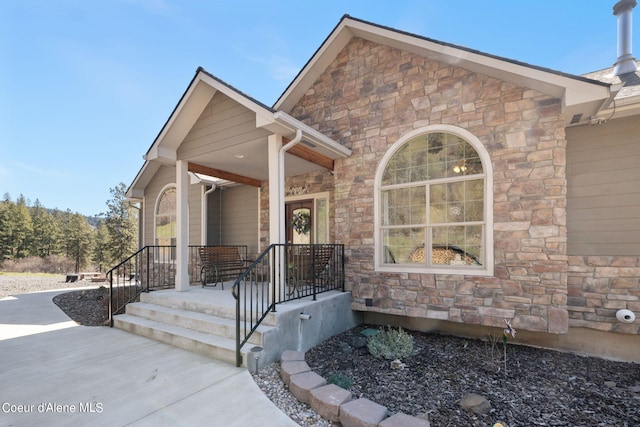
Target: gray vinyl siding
603, 188
233, 217
214, 218
195, 214
222, 124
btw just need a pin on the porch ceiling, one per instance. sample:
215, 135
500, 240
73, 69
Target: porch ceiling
248, 158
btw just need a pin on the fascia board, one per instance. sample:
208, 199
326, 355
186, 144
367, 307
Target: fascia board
316, 65
236, 96
143, 178
312, 135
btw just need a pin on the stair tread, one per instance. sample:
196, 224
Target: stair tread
195, 315
214, 340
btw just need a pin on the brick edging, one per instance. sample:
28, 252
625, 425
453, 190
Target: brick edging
335, 403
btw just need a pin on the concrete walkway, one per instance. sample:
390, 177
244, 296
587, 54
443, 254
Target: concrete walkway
56, 373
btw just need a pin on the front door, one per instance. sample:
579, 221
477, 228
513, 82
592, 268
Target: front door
299, 221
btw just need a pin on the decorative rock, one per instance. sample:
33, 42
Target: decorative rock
287, 369
475, 403
397, 364
358, 341
326, 401
404, 420
362, 413
300, 385
610, 384
292, 356
346, 348
369, 332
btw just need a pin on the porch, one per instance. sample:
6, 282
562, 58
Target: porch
289, 297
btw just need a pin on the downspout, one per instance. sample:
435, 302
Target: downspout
205, 223
284, 149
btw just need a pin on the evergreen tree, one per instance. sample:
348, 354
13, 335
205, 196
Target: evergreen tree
99, 252
46, 231
77, 239
16, 226
122, 225
5, 230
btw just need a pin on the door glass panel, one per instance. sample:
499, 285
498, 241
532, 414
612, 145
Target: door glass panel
322, 234
301, 224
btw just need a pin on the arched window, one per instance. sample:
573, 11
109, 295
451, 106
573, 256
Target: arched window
165, 228
433, 203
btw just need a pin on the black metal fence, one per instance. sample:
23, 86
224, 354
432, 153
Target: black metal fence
150, 268
284, 272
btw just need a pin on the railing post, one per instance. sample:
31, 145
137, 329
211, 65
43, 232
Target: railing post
147, 272
314, 275
238, 353
342, 279
110, 274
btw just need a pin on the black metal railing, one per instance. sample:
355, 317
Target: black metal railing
283, 272
150, 268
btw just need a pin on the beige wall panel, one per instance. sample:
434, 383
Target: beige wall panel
240, 217
195, 213
603, 188
222, 124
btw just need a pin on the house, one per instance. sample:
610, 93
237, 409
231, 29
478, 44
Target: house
466, 189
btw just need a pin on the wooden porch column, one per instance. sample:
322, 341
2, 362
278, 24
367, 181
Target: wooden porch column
182, 224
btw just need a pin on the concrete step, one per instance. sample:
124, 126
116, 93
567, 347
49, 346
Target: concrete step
195, 321
194, 302
216, 347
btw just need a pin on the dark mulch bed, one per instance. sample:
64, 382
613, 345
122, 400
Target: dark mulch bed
89, 307
540, 387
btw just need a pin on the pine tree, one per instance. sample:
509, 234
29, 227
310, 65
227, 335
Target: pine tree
46, 231
77, 239
99, 251
122, 224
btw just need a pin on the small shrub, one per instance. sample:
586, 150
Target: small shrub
391, 344
341, 380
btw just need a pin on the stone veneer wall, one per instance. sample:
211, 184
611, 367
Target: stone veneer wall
599, 286
370, 96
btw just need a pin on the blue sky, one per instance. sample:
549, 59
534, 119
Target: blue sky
86, 85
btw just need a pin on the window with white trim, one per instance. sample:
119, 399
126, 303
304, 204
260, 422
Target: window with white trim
165, 218
432, 204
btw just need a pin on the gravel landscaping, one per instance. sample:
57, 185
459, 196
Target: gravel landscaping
20, 283
539, 387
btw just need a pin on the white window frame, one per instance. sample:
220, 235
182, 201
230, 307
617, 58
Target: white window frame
487, 269
315, 197
155, 209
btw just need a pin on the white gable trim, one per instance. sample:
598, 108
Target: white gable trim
572, 90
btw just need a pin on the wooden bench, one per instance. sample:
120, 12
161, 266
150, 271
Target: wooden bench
308, 266
220, 263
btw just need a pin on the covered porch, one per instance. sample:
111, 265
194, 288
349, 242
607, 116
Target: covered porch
217, 138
